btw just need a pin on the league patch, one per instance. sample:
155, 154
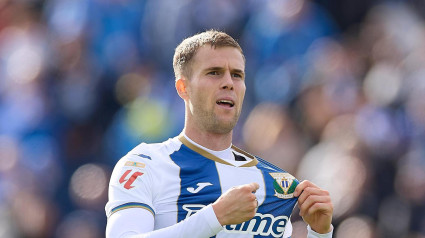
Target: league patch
135, 164
129, 179
284, 185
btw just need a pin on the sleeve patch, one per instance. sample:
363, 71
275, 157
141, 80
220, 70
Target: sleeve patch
135, 164
129, 177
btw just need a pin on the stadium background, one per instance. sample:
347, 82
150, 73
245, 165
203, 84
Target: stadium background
335, 95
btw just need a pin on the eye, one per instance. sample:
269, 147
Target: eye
236, 75
213, 73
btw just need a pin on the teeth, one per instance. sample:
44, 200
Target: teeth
226, 101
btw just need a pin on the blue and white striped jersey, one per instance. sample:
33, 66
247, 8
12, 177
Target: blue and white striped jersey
175, 179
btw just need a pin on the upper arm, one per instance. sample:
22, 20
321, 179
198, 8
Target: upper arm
129, 222
131, 186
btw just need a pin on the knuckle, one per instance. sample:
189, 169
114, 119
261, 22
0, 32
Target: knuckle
327, 199
308, 182
308, 190
245, 188
252, 197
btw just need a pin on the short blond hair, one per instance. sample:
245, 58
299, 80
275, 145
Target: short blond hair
188, 47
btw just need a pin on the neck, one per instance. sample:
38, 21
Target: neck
212, 141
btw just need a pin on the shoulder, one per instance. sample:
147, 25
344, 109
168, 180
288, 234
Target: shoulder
155, 151
148, 156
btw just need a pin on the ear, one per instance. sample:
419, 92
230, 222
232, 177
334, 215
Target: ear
181, 88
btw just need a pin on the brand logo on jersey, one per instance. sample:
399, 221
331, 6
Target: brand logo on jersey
284, 185
199, 188
260, 224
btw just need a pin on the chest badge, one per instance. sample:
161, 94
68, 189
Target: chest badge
284, 185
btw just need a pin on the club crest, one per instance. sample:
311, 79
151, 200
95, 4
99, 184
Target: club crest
284, 185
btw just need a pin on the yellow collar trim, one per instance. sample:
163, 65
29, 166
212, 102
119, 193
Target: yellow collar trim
210, 156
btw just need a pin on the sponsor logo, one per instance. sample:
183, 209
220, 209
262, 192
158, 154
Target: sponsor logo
199, 188
261, 224
192, 208
135, 164
284, 185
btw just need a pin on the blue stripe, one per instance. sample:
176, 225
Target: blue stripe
266, 164
273, 205
194, 169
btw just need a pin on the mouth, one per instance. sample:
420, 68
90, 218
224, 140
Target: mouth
226, 103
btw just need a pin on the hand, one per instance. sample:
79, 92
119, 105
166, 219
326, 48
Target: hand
237, 205
315, 206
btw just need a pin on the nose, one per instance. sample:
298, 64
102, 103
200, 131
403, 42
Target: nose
227, 81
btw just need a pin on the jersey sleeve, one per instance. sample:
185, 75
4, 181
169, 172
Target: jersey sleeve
131, 185
313, 234
203, 224
131, 206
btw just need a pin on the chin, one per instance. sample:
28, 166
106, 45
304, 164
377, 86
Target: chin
225, 127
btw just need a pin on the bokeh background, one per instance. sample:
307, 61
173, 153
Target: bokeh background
335, 94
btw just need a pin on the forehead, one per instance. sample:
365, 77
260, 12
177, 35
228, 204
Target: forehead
227, 56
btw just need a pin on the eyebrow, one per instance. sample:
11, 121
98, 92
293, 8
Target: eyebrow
221, 69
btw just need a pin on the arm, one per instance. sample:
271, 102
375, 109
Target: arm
315, 208
235, 206
139, 223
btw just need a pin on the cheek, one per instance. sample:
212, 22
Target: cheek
241, 91
201, 96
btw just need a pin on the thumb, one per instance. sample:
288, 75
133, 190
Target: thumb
254, 187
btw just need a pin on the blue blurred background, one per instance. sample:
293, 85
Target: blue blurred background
335, 94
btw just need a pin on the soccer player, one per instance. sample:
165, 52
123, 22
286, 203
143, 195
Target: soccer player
198, 184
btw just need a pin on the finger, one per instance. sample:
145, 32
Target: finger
255, 187
256, 204
247, 191
311, 191
324, 208
311, 200
250, 187
304, 184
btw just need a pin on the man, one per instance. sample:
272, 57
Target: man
198, 184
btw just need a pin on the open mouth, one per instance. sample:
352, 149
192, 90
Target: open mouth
226, 103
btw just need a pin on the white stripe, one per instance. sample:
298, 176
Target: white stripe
234, 176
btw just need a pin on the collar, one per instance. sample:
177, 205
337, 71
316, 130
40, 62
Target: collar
210, 156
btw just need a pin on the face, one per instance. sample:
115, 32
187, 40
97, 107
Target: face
216, 89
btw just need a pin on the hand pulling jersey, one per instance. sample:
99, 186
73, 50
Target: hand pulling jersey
175, 179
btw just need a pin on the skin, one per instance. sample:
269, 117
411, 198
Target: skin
315, 206
216, 74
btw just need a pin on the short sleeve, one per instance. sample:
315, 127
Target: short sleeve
131, 185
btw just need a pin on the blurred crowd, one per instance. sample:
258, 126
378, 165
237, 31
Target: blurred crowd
84, 81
